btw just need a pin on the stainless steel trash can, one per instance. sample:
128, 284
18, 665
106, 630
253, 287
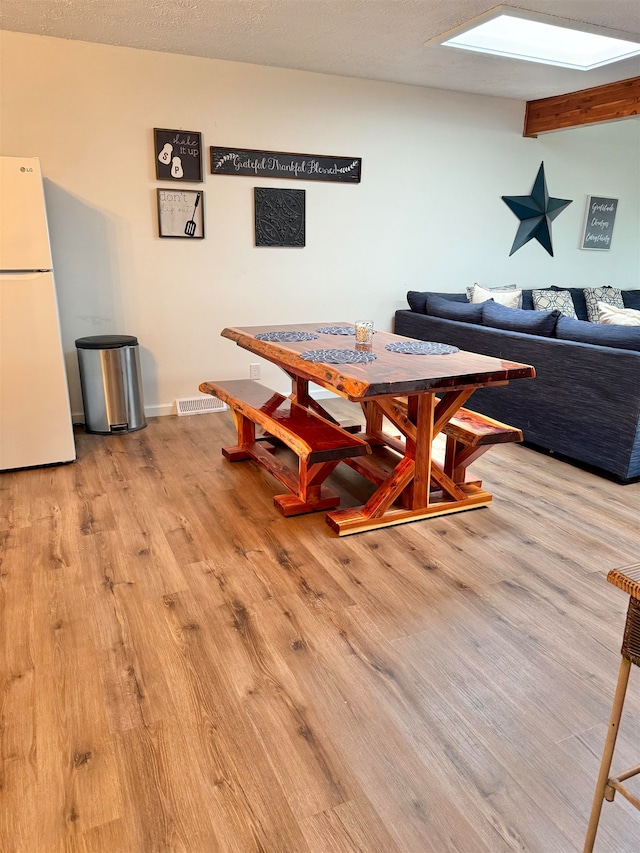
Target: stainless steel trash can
111, 383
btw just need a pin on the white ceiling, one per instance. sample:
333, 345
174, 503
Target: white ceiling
373, 39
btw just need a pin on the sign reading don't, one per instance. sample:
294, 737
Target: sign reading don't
598, 225
279, 164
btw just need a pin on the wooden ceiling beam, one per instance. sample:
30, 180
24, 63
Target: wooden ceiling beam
588, 106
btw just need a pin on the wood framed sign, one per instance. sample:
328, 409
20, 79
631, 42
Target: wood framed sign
279, 164
598, 223
178, 155
181, 213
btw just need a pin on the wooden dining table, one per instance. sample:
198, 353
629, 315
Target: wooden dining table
418, 394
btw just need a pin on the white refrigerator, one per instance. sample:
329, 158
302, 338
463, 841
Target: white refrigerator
35, 416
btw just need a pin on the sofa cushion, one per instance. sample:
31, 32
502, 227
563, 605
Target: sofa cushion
519, 319
466, 312
510, 295
631, 299
554, 300
617, 316
417, 299
593, 295
620, 337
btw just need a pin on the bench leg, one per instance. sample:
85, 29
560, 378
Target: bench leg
246, 435
458, 458
311, 496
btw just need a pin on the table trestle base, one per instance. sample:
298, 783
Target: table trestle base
347, 521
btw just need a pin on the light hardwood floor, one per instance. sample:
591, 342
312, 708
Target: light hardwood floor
183, 669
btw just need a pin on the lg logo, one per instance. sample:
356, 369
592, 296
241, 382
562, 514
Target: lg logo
26, 169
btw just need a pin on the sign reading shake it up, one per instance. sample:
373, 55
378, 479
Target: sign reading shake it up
598, 226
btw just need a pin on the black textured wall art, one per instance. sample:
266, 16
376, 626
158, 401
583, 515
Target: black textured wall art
535, 212
279, 217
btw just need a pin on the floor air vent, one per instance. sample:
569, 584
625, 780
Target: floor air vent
199, 405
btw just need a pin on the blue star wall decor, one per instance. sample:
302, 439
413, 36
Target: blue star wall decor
536, 212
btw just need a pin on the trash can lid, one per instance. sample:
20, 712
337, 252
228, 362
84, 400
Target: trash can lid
106, 342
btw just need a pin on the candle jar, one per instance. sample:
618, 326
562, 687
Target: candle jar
364, 331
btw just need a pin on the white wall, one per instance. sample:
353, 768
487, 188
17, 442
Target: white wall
427, 215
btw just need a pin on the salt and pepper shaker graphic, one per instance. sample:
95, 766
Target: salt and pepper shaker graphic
165, 155
176, 168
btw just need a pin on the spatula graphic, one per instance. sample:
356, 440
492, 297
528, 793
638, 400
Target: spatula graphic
190, 227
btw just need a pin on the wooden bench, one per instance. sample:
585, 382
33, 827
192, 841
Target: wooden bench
318, 444
468, 435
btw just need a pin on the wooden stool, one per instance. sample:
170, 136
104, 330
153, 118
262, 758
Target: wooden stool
627, 579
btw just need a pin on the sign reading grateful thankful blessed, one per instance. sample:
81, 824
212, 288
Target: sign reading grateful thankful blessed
598, 226
279, 164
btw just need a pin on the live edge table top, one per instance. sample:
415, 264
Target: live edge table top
391, 374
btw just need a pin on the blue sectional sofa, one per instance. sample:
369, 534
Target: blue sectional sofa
584, 403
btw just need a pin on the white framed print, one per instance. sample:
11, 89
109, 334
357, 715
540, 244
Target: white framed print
181, 213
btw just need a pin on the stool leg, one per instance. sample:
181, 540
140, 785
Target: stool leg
605, 766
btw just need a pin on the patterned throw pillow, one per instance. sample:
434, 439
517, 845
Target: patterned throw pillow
593, 295
558, 300
511, 295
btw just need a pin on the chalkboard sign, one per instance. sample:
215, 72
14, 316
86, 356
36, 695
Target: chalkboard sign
598, 225
279, 164
178, 155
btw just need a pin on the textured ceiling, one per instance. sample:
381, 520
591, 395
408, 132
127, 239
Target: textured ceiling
373, 39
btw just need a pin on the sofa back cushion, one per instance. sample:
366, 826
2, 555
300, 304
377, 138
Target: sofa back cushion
466, 312
519, 319
417, 299
620, 337
631, 299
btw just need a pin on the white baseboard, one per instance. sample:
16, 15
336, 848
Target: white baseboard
170, 408
163, 409
160, 410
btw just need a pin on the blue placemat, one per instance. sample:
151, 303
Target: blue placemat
338, 356
421, 348
337, 330
285, 337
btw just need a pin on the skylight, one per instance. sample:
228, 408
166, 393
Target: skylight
538, 38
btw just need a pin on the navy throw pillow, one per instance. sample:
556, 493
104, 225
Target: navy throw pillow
465, 312
600, 334
631, 299
417, 299
519, 319
527, 300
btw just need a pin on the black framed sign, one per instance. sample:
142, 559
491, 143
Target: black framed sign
181, 213
598, 223
279, 217
278, 164
178, 155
